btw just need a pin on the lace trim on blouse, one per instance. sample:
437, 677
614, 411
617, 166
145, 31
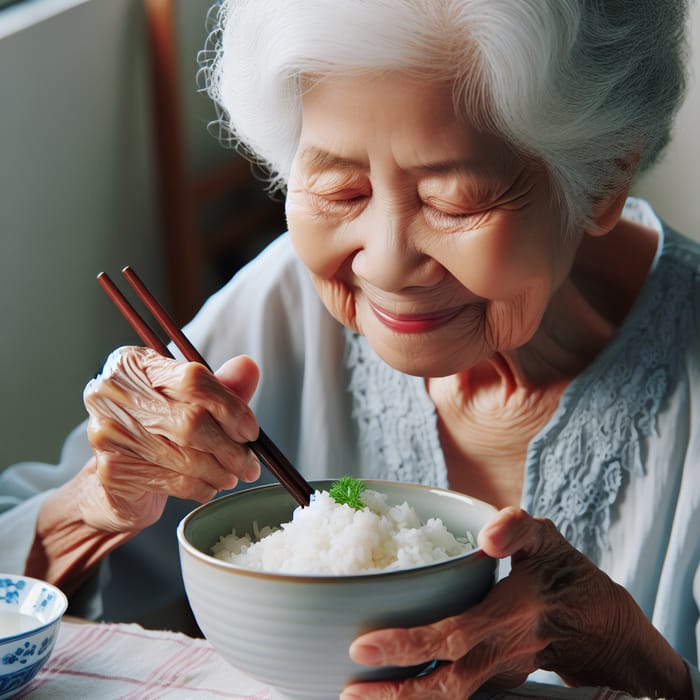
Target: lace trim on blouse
396, 420
577, 466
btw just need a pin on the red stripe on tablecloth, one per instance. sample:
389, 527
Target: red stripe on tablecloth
189, 656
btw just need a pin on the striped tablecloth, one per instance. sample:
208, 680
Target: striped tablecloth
126, 661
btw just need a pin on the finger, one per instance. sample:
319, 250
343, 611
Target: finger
448, 680
127, 437
448, 639
506, 618
181, 401
240, 375
201, 440
194, 385
456, 679
514, 531
461, 678
131, 414
123, 477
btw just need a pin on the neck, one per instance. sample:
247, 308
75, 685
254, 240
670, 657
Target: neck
588, 308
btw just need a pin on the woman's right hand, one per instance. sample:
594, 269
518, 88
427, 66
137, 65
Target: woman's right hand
160, 427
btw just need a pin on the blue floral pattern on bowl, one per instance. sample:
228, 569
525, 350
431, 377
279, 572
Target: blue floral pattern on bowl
25, 651
10, 590
12, 683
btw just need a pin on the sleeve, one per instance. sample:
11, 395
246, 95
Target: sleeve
694, 670
694, 500
23, 489
694, 680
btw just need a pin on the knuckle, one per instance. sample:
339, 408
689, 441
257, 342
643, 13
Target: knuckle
192, 376
107, 464
548, 540
194, 418
548, 527
453, 645
186, 487
100, 431
95, 392
452, 638
115, 363
553, 538
424, 642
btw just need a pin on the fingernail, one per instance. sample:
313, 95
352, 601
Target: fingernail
252, 472
367, 654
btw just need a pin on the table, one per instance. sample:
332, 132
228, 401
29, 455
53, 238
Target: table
127, 662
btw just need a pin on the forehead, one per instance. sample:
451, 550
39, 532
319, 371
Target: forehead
349, 120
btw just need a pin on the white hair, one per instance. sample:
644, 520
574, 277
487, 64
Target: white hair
586, 87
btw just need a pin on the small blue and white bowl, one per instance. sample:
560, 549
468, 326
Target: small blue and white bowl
30, 614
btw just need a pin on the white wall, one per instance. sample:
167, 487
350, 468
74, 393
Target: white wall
77, 195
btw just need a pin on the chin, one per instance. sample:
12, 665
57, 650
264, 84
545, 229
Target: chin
424, 361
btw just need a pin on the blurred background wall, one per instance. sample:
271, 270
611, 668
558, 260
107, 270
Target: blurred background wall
78, 195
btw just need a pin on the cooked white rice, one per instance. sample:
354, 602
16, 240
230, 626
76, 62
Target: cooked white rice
331, 539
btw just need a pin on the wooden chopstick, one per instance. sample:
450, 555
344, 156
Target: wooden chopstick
265, 450
132, 316
163, 317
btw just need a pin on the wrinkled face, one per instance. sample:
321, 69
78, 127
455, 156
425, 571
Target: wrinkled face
431, 239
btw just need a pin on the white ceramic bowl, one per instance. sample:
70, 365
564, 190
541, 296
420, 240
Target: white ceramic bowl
30, 614
293, 632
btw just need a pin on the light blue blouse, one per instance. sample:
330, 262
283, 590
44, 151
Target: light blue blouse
617, 468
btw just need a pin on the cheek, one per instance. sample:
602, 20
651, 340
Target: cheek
319, 247
316, 241
512, 323
507, 256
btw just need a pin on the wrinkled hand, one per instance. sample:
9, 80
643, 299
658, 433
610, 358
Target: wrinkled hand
160, 428
555, 611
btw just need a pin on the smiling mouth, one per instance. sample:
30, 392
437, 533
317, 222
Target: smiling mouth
413, 323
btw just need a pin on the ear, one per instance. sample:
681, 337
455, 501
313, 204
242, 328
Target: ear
607, 212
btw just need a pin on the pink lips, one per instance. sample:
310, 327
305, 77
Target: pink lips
413, 323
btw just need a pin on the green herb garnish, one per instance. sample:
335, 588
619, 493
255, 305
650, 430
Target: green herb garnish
348, 491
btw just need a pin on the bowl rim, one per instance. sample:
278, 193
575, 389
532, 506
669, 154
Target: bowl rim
55, 617
210, 560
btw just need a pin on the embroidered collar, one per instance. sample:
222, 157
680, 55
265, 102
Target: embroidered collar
577, 466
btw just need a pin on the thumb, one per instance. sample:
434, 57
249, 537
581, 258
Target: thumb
240, 375
510, 532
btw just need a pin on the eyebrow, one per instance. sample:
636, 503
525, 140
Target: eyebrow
321, 159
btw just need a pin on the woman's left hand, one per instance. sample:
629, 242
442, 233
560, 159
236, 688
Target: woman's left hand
555, 610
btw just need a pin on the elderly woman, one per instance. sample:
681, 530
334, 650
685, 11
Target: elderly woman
466, 297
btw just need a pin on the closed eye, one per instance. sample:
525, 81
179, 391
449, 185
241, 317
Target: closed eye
338, 203
448, 221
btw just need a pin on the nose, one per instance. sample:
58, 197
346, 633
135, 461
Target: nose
391, 253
